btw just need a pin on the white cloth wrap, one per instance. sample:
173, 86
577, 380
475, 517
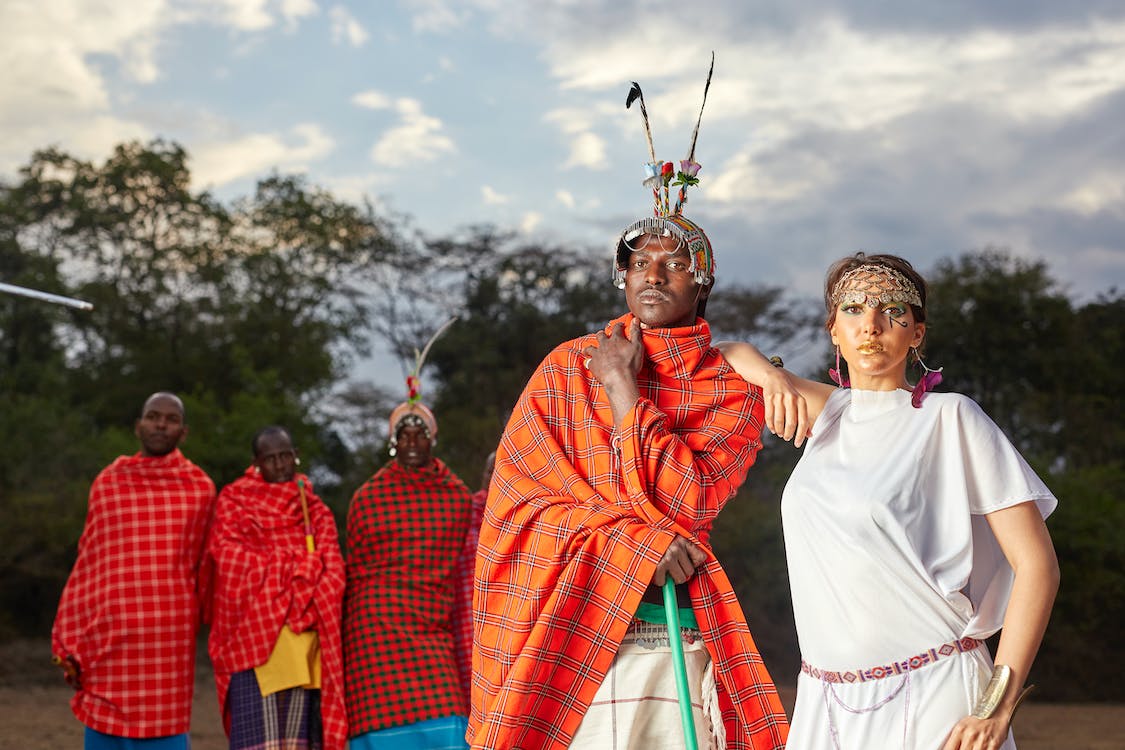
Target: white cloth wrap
890, 554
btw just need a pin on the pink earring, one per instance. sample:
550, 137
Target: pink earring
837, 375
930, 379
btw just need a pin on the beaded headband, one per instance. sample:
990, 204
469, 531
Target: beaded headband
875, 285
667, 219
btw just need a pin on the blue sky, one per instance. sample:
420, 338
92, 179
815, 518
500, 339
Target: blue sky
922, 129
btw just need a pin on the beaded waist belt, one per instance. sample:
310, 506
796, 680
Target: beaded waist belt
917, 661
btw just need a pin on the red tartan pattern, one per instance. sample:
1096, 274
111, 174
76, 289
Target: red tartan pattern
130, 609
265, 577
405, 530
577, 519
463, 605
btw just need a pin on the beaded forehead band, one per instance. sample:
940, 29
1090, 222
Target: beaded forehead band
668, 219
874, 285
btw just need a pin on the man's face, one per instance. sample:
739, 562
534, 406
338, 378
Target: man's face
413, 447
161, 427
276, 459
659, 289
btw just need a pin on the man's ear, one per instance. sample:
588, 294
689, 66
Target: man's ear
183, 437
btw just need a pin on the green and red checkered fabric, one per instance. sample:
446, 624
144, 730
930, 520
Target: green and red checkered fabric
578, 516
405, 531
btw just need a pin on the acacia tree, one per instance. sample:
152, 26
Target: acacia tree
250, 311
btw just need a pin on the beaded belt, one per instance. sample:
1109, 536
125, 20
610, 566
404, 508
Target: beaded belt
899, 667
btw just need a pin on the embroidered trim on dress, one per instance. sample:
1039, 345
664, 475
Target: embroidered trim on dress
894, 668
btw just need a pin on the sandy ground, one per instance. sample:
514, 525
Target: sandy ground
35, 712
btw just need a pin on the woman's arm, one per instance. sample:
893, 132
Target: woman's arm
792, 403
1026, 544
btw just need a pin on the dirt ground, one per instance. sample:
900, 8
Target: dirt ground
35, 711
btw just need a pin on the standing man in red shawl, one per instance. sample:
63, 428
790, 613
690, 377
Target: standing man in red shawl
623, 448
406, 526
278, 595
124, 634
466, 566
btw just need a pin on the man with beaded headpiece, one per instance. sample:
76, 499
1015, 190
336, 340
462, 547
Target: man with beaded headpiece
623, 448
913, 531
405, 529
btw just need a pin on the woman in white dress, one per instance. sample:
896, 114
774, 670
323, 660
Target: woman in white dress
913, 531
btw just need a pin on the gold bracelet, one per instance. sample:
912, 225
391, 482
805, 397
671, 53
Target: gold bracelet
993, 692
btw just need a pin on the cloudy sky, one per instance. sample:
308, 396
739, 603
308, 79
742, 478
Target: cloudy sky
925, 129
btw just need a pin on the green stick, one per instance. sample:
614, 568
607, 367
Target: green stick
678, 665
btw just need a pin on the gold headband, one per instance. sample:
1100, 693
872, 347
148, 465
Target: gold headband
874, 285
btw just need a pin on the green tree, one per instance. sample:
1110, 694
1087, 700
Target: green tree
251, 311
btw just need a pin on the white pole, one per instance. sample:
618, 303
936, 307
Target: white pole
45, 296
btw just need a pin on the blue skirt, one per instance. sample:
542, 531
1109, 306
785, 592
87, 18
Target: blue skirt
95, 740
446, 733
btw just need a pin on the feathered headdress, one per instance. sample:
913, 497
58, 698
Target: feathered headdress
412, 409
668, 218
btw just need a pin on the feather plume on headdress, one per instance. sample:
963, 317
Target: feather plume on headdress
667, 218
413, 406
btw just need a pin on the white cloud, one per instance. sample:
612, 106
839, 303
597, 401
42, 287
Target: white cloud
587, 148
218, 162
530, 221
372, 99
565, 197
416, 139
345, 28
244, 15
491, 197
437, 16
294, 10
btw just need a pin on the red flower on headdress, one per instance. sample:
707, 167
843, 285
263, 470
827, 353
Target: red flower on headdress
666, 171
414, 388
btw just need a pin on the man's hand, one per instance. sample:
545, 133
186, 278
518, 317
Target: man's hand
680, 562
72, 673
616, 356
615, 361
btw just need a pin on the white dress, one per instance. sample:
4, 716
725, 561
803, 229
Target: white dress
890, 556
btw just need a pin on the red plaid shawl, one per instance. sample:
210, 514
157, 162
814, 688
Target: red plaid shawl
265, 577
578, 517
463, 605
130, 609
405, 530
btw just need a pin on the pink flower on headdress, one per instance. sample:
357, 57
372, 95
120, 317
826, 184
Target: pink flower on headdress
687, 174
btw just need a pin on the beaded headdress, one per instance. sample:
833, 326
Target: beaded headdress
668, 219
412, 412
874, 285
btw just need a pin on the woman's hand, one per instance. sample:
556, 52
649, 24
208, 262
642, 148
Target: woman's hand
787, 412
972, 733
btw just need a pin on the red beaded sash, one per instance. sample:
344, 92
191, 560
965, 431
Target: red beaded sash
894, 668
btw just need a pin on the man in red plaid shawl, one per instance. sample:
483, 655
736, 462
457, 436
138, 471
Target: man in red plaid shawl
406, 526
278, 595
466, 567
125, 630
623, 448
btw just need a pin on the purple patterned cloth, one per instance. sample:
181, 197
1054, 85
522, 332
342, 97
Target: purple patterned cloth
286, 720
